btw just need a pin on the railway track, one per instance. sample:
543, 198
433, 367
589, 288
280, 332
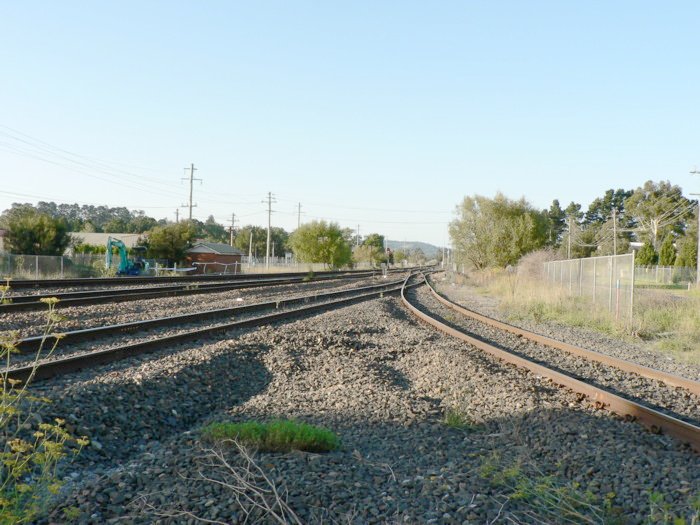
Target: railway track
71, 361
662, 402
23, 303
90, 282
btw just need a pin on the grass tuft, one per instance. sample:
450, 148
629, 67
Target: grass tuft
458, 420
274, 436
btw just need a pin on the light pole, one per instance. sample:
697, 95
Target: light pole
695, 171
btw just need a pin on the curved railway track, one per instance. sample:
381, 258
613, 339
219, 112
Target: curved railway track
684, 426
296, 307
23, 303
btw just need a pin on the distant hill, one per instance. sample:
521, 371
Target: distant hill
429, 250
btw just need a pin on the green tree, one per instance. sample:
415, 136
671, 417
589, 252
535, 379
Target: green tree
574, 210
601, 209
667, 253
374, 239
400, 256
170, 242
369, 253
243, 238
33, 233
278, 238
91, 218
556, 221
496, 232
321, 242
213, 231
646, 256
371, 250
140, 223
687, 245
115, 225
658, 209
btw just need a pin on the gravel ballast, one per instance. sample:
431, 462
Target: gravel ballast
78, 317
467, 296
674, 401
383, 382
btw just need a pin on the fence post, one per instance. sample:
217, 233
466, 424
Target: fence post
36, 266
580, 277
61, 266
561, 274
610, 284
632, 293
594, 278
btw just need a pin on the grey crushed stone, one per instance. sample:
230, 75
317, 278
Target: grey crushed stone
674, 401
380, 380
643, 354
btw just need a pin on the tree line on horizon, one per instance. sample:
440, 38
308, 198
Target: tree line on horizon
497, 232
45, 229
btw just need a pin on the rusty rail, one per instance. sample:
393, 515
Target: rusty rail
49, 368
655, 421
626, 366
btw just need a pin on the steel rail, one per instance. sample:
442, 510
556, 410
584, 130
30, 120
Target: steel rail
28, 345
46, 369
626, 366
19, 284
31, 302
656, 421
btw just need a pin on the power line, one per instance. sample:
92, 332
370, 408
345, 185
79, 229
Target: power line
38, 143
70, 201
119, 180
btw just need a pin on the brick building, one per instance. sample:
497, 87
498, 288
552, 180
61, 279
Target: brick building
214, 257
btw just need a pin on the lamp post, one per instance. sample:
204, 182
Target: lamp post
695, 171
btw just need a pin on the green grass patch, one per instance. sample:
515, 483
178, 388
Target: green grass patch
455, 419
274, 436
667, 320
652, 286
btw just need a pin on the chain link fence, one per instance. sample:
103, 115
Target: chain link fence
51, 266
664, 275
607, 281
93, 265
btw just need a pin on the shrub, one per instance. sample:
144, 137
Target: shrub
31, 449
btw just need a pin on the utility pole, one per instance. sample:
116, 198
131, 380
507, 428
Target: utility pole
614, 218
299, 216
250, 247
269, 223
695, 171
568, 250
177, 215
191, 179
357, 239
233, 225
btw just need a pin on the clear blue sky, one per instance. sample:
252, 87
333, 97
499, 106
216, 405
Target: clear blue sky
383, 114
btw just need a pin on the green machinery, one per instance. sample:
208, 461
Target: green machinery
126, 266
